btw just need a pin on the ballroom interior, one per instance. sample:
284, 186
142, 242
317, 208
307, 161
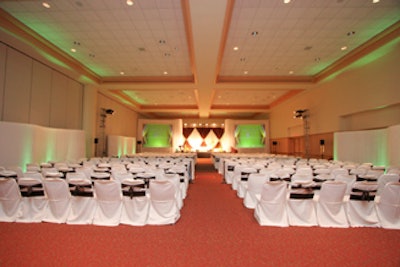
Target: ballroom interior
83, 79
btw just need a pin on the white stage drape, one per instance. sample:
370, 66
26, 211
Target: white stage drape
379, 147
26, 143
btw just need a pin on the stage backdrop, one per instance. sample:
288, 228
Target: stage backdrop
159, 135
248, 136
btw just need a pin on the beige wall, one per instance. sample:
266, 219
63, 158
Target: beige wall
123, 122
34, 93
336, 103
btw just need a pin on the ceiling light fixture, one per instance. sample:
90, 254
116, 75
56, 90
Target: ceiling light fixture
73, 50
343, 48
165, 72
375, 1
122, 73
236, 48
286, 1
291, 72
245, 72
129, 2
46, 5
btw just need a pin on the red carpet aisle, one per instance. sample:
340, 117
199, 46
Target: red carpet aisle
214, 230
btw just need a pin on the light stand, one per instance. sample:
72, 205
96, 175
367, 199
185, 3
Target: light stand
322, 147
304, 115
103, 115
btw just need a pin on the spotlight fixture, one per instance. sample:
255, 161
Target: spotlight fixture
109, 111
106, 111
300, 114
129, 2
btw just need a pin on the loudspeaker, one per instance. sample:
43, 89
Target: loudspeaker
139, 142
96, 140
322, 142
274, 143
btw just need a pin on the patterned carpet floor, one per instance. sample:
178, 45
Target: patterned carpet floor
215, 229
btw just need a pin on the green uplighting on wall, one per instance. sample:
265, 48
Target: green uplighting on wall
135, 97
371, 57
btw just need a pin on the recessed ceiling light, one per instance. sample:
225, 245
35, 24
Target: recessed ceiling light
73, 50
375, 1
343, 48
129, 2
46, 5
122, 73
236, 48
291, 72
286, 1
245, 72
165, 72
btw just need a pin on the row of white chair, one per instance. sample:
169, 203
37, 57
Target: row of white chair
108, 204
330, 208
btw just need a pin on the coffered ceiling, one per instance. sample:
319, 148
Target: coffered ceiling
201, 58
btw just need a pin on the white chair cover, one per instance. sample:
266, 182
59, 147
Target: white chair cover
240, 171
349, 179
59, 200
339, 171
301, 179
388, 206
82, 207
253, 190
174, 178
135, 209
386, 178
330, 205
109, 202
121, 176
362, 213
163, 206
182, 171
34, 206
271, 209
10, 200
301, 212
229, 171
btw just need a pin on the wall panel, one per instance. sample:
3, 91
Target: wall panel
3, 56
17, 89
41, 93
74, 105
58, 104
